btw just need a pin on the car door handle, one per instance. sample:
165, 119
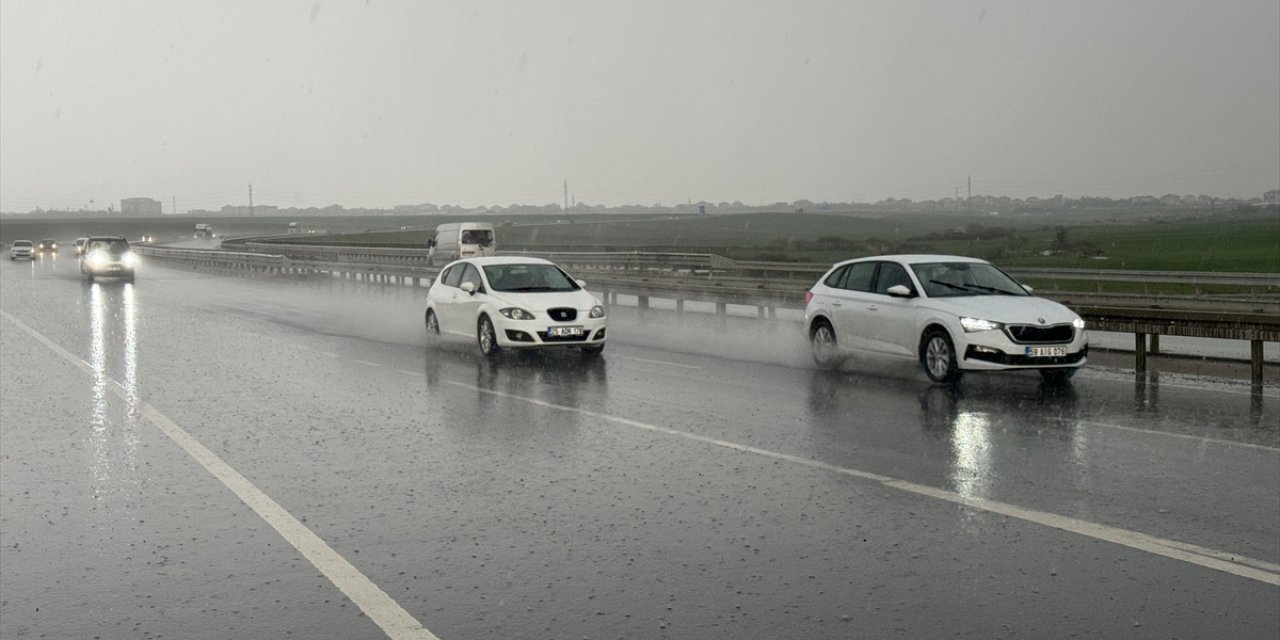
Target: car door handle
837, 304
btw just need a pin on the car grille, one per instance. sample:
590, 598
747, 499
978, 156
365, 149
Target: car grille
546, 338
1031, 334
563, 314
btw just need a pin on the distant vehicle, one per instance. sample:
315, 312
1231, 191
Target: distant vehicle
47, 246
951, 313
22, 249
204, 231
458, 240
80, 245
294, 228
108, 256
147, 239
514, 303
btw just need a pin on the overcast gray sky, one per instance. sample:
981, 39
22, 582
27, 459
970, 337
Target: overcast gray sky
378, 103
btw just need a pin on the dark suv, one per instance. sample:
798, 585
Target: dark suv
108, 256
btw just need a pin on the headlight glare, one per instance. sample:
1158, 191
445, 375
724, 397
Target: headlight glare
597, 312
516, 313
977, 324
1078, 323
129, 258
97, 258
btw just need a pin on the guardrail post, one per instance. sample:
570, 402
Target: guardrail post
1154, 347
722, 309
679, 307
642, 302
760, 312
1140, 352
1255, 362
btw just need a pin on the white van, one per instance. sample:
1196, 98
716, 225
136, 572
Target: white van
462, 240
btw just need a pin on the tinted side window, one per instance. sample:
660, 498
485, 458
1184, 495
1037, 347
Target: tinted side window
473, 276
453, 276
859, 276
892, 274
834, 280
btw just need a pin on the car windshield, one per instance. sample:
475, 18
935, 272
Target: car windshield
528, 277
482, 237
951, 279
22, 243
116, 247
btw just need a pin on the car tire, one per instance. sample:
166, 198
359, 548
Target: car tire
938, 356
822, 341
433, 327
1058, 376
487, 338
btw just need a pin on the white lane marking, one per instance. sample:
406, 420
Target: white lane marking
372, 600
1251, 568
1184, 436
661, 362
1234, 392
367, 363
331, 355
410, 373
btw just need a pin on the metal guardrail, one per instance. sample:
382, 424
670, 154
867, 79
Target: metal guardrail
698, 278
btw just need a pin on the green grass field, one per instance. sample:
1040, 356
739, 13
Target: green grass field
1246, 241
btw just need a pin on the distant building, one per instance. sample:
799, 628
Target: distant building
140, 207
1271, 197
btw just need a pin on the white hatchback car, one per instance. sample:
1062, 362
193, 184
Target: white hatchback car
514, 303
953, 314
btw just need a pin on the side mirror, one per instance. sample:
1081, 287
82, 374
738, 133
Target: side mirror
468, 287
581, 283
1028, 288
899, 291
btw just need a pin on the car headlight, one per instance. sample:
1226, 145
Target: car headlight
977, 324
597, 312
1078, 323
129, 258
516, 313
97, 259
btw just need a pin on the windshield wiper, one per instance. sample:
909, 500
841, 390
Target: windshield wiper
993, 289
957, 287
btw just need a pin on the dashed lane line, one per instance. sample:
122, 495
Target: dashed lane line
1253, 569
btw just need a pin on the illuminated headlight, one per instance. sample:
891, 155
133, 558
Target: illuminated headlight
516, 313
976, 324
129, 258
597, 312
97, 259
1078, 323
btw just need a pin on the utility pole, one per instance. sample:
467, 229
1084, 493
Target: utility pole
969, 201
566, 195
175, 205
250, 199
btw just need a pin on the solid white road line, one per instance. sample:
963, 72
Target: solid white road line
661, 362
1184, 436
1259, 570
372, 600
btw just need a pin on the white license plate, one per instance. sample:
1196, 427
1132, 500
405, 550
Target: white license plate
564, 332
1046, 352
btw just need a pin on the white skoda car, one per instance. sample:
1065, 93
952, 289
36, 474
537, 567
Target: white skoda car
953, 314
514, 303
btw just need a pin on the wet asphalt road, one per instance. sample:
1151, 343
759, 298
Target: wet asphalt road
697, 482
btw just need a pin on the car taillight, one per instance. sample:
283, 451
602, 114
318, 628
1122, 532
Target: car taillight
808, 295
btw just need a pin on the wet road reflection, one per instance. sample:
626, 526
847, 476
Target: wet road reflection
113, 434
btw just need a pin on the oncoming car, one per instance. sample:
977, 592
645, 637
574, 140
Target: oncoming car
48, 246
514, 303
951, 313
80, 245
22, 249
108, 256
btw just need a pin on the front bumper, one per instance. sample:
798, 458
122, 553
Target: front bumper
994, 350
535, 334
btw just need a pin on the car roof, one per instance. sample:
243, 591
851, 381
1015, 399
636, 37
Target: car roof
22, 241
491, 260
105, 238
915, 258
